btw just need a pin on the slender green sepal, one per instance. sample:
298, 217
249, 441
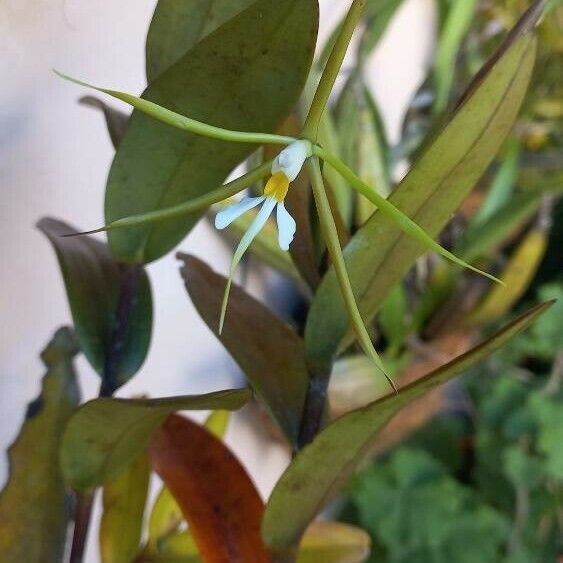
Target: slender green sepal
330, 235
185, 123
188, 207
405, 223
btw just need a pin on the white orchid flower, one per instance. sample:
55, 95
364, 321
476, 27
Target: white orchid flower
285, 168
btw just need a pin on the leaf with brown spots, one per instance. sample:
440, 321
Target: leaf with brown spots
217, 497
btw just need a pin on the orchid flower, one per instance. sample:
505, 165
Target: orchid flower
285, 168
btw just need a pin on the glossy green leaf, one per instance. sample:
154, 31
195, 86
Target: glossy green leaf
320, 470
34, 510
269, 352
177, 26
124, 500
116, 120
105, 435
247, 75
379, 254
111, 304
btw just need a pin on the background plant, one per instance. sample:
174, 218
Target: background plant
227, 70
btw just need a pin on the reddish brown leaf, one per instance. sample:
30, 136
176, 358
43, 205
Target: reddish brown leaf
216, 495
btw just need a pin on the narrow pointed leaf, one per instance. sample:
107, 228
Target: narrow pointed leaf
106, 435
34, 508
247, 75
268, 351
113, 331
177, 26
518, 275
124, 500
379, 254
217, 497
319, 471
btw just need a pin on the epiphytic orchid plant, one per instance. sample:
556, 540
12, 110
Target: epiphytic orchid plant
284, 169
225, 87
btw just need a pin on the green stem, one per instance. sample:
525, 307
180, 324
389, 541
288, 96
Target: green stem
404, 222
332, 69
192, 206
185, 123
330, 235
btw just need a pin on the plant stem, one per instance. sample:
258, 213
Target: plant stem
318, 384
85, 501
118, 337
332, 69
82, 513
192, 206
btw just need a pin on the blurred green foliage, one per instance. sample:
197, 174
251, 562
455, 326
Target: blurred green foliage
483, 483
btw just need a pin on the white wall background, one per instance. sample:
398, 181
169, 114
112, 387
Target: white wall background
54, 157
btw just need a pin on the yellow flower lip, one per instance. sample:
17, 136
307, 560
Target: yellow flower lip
277, 186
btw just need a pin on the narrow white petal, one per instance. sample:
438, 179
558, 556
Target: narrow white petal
291, 159
255, 227
286, 227
225, 217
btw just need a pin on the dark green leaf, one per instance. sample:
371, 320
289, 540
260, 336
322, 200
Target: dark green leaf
319, 471
111, 304
106, 435
268, 351
177, 26
34, 505
380, 254
116, 121
245, 76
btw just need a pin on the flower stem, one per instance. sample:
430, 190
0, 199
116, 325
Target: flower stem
185, 123
188, 207
332, 69
330, 235
404, 222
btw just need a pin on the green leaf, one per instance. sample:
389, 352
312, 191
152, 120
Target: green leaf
247, 75
459, 18
484, 238
320, 470
177, 26
111, 304
379, 254
34, 506
116, 121
124, 500
417, 512
333, 542
268, 351
106, 435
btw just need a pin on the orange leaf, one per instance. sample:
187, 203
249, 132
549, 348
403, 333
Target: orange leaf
217, 497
